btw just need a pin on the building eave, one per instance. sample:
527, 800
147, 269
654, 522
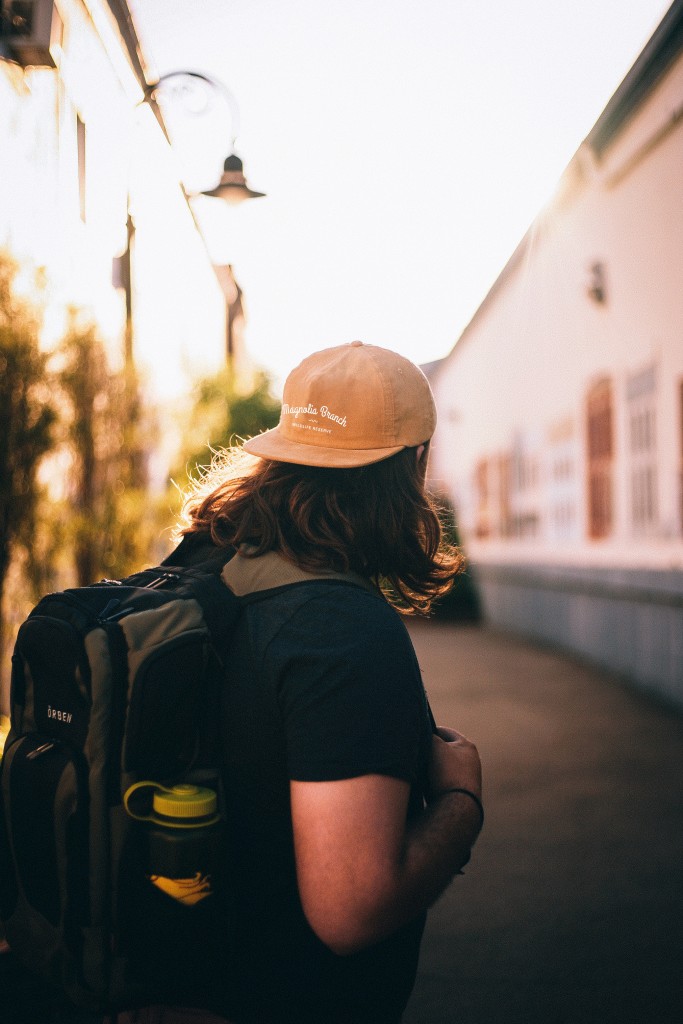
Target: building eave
124, 20
657, 56
123, 17
507, 271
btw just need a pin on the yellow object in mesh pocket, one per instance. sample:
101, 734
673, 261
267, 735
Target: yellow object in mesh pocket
185, 890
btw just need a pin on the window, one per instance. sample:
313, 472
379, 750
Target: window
680, 475
521, 514
600, 457
641, 395
80, 141
483, 525
504, 505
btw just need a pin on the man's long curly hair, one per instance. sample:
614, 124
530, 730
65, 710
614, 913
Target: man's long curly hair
374, 520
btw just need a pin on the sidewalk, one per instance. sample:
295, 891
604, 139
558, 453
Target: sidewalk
571, 910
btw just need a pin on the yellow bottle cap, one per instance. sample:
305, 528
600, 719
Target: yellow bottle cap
185, 801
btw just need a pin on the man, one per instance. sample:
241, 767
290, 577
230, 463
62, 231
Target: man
347, 813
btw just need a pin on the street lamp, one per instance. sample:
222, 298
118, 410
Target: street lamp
232, 187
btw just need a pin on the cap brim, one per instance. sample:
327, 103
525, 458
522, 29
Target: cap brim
272, 445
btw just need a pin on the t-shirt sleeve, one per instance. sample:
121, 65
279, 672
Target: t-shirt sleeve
350, 694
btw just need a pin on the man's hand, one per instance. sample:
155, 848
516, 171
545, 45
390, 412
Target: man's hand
455, 763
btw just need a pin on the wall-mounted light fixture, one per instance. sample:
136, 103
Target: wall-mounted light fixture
29, 30
233, 186
597, 286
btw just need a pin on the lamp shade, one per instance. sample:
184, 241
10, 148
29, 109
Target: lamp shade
233, 185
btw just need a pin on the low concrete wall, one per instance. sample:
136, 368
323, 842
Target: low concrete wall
627, 621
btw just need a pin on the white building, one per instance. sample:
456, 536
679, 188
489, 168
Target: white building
561, 406
80, 149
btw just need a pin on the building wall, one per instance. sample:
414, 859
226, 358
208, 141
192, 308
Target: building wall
560, 434
77, 148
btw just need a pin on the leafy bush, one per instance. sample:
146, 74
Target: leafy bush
221, 417
462, 603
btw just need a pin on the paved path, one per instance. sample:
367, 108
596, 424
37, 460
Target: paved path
571, 910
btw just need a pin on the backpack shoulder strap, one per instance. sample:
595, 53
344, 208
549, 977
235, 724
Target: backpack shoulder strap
247, 575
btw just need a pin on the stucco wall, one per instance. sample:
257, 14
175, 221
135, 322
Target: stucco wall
511, 448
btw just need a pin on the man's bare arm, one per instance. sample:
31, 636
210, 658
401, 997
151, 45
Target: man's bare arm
363, 871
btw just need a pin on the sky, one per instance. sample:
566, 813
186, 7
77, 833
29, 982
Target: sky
405, 146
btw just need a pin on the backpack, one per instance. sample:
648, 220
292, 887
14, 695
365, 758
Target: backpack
111, 683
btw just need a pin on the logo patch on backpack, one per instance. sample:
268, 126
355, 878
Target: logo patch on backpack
61, 716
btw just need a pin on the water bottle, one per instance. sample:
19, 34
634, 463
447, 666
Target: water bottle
184, 848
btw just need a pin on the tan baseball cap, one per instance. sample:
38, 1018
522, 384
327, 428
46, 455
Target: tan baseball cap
349, 406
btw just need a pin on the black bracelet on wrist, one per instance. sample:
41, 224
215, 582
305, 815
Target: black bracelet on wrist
471, 795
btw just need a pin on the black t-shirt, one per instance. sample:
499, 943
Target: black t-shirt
323, 685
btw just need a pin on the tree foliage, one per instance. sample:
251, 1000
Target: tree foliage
27, 416
106, 438
461, 603
221, 416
